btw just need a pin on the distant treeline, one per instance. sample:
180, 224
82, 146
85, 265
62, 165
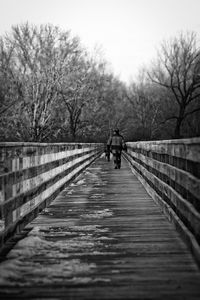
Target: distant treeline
52, 90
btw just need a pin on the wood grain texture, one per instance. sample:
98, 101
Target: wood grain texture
187, 149
184, 179
180, 205
31, 174
103, 237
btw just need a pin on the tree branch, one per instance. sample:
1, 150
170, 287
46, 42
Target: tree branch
191, 112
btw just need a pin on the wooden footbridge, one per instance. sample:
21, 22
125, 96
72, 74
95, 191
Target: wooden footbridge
109, 234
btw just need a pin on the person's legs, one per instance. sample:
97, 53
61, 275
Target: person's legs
114, 152
118, 159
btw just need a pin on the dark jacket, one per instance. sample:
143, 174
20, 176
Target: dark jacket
116, 142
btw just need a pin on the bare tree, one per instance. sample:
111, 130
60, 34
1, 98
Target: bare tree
38, 57
175, 71
145, 106
75, 90
8, 89
107, 111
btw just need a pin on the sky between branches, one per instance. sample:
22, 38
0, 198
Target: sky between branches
128, 32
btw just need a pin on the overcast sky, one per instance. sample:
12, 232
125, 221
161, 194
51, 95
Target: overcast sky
128, 31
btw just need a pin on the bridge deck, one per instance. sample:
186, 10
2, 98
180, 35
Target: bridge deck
102, 238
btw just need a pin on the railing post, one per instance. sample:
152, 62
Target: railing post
32, 175
170, 171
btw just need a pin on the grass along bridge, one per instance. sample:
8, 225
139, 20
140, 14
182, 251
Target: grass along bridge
73, 227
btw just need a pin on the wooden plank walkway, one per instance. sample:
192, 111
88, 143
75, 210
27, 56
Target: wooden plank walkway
102, 238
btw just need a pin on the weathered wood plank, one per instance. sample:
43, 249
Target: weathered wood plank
176, 201
31, 174
171, 172
187, 149
186, 180
102, 238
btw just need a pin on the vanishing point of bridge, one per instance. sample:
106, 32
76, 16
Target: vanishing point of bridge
107, 234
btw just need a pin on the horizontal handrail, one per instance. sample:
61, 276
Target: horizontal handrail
32, 175
170, 171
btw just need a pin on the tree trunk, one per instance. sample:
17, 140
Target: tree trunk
177, 130
72, 129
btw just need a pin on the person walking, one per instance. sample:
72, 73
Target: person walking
116, 144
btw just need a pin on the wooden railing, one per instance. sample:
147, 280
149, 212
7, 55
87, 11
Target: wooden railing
170, 171
32, 175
